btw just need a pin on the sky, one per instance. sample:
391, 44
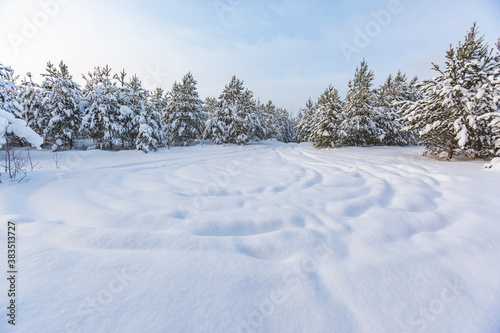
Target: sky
284, 51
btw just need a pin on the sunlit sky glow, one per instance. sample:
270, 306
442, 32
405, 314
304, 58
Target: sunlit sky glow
286, 51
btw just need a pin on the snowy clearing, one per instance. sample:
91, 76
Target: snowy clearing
263, 238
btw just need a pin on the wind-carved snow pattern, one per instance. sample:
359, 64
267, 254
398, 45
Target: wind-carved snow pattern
353, 239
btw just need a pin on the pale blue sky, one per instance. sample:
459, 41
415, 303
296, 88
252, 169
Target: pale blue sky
286, 51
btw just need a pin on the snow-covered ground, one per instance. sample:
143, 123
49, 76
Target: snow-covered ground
262, 238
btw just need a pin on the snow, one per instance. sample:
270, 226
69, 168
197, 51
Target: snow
480, 93
462, 135
494, 164
262, 238
126, 111
11, 124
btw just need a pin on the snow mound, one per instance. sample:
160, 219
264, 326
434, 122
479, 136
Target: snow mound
494, 164
18, 127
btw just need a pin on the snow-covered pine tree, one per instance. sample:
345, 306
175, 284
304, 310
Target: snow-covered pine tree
255, 125
232, 92
126, 118
326, 124
209, 106
494, 117
31, 100
218, 124
102, 115
278, 123
388, 99
360, 114
227, 124
294, 122
268, 114
132, 100
159, 99
151, 132
238, 130
62, 97
184, 116
12, 126
303, 128
9, 95
283, 129
451, 117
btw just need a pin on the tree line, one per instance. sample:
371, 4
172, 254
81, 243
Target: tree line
455, 112
116, 112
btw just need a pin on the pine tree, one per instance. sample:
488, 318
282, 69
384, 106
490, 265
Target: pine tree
101, 120
132, 100
62, 97
450, 118
303, 128
269, 112
12, 126
294, 122
31, 100
218, 124
388, 99
282, 126
159, 99
255, 126
232, 92
184, 117
494, 117
360, 114
151, 134
209, 106
229, 122
278, 125
326, 125
9, 92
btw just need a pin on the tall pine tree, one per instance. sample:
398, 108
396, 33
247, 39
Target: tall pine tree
62, 97
255, 124
494, 117
33, 111
184, 117
133, 102
282, 127
151, 134
360, 113
326, 124
451, 118
9, 92
101, 120
306, 115
388, 99
12, 126
227, 123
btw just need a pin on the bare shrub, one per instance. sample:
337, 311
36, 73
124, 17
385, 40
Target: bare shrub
16, 162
